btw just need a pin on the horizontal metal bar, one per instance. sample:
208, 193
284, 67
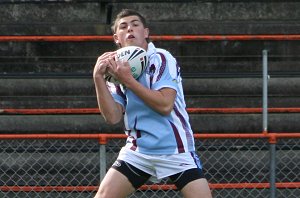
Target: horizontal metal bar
14, 111
78, 38
154, 187
105, 136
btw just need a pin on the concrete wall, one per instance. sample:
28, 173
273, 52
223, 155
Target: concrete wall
216, 73
177, 17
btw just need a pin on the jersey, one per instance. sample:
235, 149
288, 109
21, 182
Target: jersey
148, 131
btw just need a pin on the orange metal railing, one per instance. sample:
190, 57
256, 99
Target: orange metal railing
77, 38
104, 137
154, 187
189, 110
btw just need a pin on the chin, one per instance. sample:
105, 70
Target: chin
131, 44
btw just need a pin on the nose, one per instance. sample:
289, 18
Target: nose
129, 28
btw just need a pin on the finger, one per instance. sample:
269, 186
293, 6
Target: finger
122, 63
106, 55
101, 66
112, 63
116, 57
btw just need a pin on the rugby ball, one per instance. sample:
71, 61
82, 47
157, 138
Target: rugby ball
137, 59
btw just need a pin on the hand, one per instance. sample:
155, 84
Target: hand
119, 69
102, 64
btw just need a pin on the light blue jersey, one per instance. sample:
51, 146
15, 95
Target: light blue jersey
148, 131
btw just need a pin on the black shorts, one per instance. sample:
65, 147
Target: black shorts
138, 177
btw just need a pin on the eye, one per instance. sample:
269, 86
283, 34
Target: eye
122, 26
136, 24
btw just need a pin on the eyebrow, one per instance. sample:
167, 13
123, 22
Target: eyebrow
134, 20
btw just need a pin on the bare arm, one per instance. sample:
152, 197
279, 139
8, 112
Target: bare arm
162, 101
110, 110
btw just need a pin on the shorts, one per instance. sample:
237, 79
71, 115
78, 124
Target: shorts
138, 168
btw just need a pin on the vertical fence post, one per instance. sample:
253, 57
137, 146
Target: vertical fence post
265, 90
272, 168
102, 152
272, 141
102, 161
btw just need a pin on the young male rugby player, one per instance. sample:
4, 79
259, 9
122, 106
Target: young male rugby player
160, 140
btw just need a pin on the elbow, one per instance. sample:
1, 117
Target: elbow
112, 120
113, 117
165, 111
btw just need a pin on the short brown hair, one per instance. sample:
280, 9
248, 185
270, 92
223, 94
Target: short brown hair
125, 13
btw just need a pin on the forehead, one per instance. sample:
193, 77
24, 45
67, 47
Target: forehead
129, 19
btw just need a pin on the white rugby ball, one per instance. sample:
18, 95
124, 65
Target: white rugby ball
137, 59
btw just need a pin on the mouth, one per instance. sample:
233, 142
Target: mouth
130, 37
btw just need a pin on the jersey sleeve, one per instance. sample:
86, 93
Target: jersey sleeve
168, 73
117, 93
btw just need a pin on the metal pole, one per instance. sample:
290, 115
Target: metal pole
265, 90
265, 126
272, 170
102, 161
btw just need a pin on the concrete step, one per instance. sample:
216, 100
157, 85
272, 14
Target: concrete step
74, 86
201, 56
79, 92
48, 102
206, 58
237, 101
201, 123
192, 101
206, 17
278, 26
198, 66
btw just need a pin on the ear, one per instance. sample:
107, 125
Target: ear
146, 32
116, 39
